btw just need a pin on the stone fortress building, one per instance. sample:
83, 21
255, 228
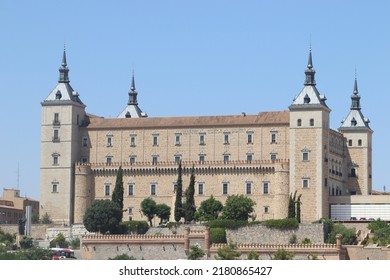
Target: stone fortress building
266, 156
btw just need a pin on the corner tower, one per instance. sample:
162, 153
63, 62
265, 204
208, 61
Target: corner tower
309, 141
355, 128
63, 114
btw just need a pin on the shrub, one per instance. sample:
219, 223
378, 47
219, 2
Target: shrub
75, 243
218, 235
228, 252
282, 254
135, 227
349, 236
282, 224
196, 253
122, 257
306, 241
293, 239
253, 255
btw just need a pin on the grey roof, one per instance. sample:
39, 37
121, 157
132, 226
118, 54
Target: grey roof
63, 91
355, 118
309, 95
132, 110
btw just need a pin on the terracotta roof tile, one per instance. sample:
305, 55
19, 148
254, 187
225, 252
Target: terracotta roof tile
263, 118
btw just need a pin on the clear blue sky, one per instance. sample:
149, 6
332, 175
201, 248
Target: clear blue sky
190, 58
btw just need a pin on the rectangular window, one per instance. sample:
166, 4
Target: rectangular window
249, 157
273, 156
109, 141
107, 190
273, 138
305, 183
55, 160
226, 158
200, 189
177, 139
201, 158
154, 160
177, 159
201, 139
131, 189
305, 156
132, 141
248, 188
56, 137
132, 159
56, 120
311, 122
250, 138
85, 142
108, 160
84, 159
54, 188
155, 140
225, 188
226, 139
360, 142
265, 188
266, 209
130, 210
153, 189
299, 122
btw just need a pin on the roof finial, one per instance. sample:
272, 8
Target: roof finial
355, 87
64, 78
310, 72
133, 92
132, 82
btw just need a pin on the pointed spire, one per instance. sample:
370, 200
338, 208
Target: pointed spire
355, 97
64, 70
310, 72
133, 92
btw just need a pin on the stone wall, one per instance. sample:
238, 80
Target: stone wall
367, 253
259, 234
37, 231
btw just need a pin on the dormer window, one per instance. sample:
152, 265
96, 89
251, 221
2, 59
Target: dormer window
58, 95
353, 122
306, 99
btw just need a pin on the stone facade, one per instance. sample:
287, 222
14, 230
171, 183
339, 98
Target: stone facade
266, 156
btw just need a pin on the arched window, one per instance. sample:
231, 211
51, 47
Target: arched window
299, 122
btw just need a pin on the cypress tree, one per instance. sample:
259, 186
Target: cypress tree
117, 195
179, 193
190, 208
299, 208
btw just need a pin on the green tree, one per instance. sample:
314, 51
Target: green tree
35, 218
238, 207
377, 225
60, 241
117, 194
179, 193
349, 234
148, 208
209, 209
253, 255
46, 219
228, 252
196, 253
26, 242
291, 206
190, 208
163, 211
298, 203
282, 254
103, 216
